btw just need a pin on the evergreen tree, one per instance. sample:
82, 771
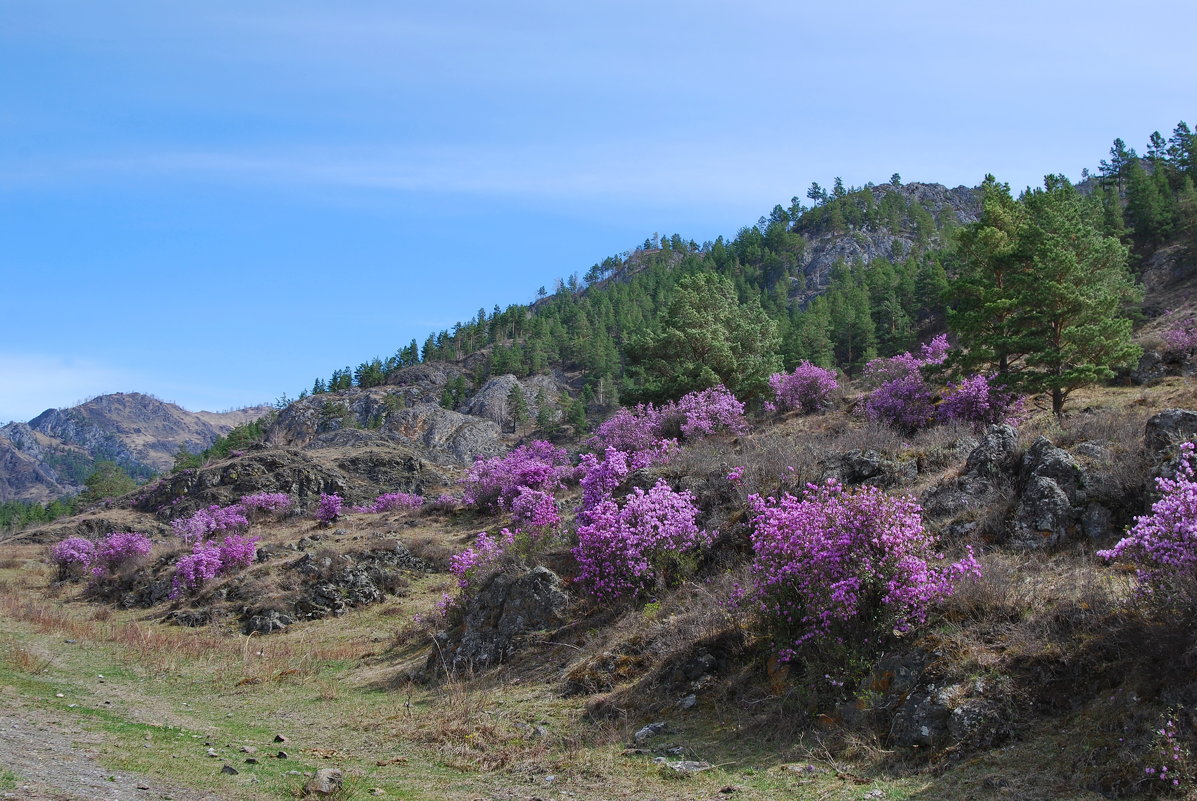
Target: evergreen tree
707, 337
1043, 292
517, 407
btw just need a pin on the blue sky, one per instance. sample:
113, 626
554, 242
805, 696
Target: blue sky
217, 201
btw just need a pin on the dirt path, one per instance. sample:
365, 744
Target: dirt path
54, 760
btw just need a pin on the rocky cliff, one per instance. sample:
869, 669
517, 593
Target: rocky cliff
52, 454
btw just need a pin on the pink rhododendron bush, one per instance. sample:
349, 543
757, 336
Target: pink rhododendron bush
209, 559
839, 570
808, 389
493, 484
77, 557
626, 549
1163, 545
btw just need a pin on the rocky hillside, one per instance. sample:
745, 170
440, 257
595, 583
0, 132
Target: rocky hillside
51, 455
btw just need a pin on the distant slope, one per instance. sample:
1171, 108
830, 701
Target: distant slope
52, 454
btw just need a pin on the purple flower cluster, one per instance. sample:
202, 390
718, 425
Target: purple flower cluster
329, 508
1163, 544
843, 564
648, 431
392, 502
485, 551
492, 484
535, 510
902, 398
807, 389
623, 550
266, 502
76, 555
1181, 333
209, 559
975, 400
707, 412
205, 522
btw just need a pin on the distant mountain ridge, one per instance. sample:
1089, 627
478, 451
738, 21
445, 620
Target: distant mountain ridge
51, 455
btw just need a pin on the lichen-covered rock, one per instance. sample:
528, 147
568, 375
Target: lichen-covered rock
506, 607
870, 467
1166, 429
1051, 499
490, 402
995, 455
446, 435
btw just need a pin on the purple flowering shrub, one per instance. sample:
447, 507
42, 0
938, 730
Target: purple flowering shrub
209, 559
1181, 334
484, 553
492, 484
631, 430
392, 502
445, 503
837, 569
73, 556
329, 509
265, 502
901, 397
808, 389
625, 550
707, 412
1163, 544
975, 400
203, 523
535, 511
77, 556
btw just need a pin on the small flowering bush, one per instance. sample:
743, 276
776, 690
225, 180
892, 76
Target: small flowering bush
329, 508
808, 389
902, 398
707, 412
492, 484
903, 403
485, 551
625, 550
844, 568
73, 556
1163, 544
1181, 334
534, 510
445, 503
631, 430
600, 477
392, 502
266, 502
119, 549
76, 556
975, 400
203, 523
209, 559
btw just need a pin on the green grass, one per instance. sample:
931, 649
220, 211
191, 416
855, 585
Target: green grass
8, 779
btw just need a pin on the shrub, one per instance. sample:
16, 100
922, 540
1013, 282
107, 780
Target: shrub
535, 510
329, 508
492, 484
119, 549
707, 412
74, 555
485, 551
623, 551
208, 560
632, 430
903, 403
203, 523
844, 567
1163, 544
974, 400
807, 389
392, 502
1181, 335
266, 502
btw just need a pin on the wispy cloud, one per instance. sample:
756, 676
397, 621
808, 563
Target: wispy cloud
35, 382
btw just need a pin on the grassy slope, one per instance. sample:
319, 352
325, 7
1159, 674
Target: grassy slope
337, 688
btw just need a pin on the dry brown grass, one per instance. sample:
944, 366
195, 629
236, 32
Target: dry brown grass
25, 659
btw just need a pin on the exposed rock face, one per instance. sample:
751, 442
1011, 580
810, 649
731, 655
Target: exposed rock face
139, 432
824, 248
359, 416
989, 471
490, 402
1053, 486
1166, 429
506, 607
358, 477
443, 433
870, 467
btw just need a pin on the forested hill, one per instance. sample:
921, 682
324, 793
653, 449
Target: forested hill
845, 274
